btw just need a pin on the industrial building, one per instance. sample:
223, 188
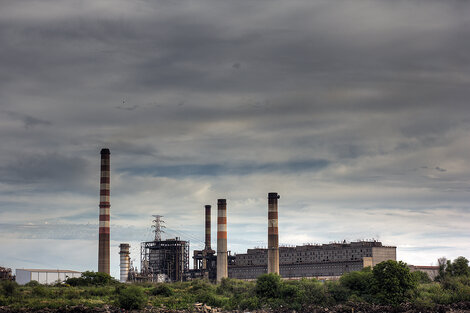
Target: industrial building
320, 261
431, 271
164, 260
44, 276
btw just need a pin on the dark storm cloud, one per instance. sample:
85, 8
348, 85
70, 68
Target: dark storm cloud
45, 171
184, 170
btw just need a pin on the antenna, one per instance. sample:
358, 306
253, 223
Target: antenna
158, 227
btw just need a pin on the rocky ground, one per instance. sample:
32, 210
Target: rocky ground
200, 308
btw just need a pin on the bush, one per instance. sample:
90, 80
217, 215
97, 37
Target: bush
231, 286
359, 283
312, 292
201, 284
40, 291
250, 303
421, 277
32, 283
8, 288
91, 279
338, 292
162, 290
132, 298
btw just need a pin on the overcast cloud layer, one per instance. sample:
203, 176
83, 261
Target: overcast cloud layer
356, 112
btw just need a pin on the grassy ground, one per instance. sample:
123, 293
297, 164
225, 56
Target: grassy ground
390, 284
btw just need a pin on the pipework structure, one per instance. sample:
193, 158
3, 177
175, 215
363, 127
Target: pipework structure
222, 262
273, 234
103, 246
125, 261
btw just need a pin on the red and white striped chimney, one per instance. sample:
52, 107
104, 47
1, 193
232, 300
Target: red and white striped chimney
273, 235
222, 262
208, 228
103, 249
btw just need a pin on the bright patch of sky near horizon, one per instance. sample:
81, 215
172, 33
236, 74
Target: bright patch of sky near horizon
356, 113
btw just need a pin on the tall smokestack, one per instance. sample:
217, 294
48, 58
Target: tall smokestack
103, 250
273, 235
208, 228
222, 270
125, 260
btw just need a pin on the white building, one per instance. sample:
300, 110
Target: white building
24, 276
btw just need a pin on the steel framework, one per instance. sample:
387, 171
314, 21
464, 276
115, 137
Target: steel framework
165, 257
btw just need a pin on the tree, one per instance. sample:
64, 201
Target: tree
359, 282
421, 277
268, 286
459, 267
89, 278
393, 282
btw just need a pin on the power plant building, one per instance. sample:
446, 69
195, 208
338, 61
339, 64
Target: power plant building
165, 260
319, 261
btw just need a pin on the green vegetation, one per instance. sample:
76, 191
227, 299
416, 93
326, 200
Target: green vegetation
389, 283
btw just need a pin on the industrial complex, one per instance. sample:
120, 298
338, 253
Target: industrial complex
168, 260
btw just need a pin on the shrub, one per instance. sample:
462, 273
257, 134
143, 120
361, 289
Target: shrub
250, 303
91, 279
312, 292
359, 283
8, 288
201, 284
231, 286
40, 291
132, 298
338, 292
210, 298
421, 277
162, 290
32, 283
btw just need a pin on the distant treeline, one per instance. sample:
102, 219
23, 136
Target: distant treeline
388, 283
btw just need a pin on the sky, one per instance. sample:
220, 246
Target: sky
356, 112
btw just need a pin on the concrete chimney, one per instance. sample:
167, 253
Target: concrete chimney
273, 235
222, 262
103, 249
208, 228
125, 261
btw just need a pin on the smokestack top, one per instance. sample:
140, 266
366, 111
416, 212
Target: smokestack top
273, 195
124, 248
207, 206
105, 151
221, 201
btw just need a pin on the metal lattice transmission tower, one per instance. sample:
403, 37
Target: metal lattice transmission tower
158, 227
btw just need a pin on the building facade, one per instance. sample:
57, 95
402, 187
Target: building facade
44, 276
320, 261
